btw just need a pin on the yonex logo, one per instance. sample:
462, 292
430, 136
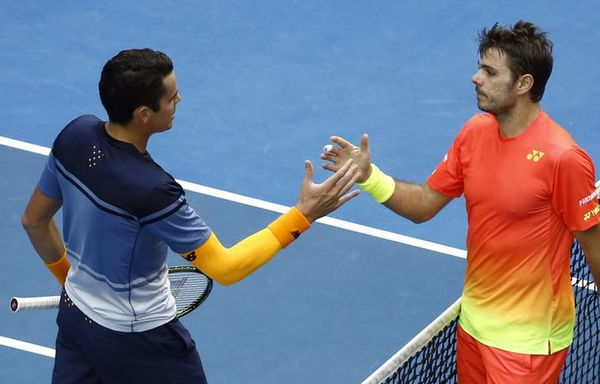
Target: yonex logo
591, 213
535, 155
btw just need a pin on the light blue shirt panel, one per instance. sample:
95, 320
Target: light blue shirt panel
183, 230
102, 242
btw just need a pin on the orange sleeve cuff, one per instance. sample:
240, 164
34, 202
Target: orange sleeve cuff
289, 226
60, 268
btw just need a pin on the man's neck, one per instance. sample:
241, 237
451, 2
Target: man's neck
518, 119
129, 134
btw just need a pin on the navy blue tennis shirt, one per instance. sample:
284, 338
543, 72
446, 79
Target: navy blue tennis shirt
121, 211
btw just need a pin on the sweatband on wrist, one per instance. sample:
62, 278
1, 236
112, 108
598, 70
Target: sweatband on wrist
60, 268
289, 226
379, 185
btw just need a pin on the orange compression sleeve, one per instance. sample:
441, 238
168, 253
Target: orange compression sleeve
60, 268
230, 265
289, 226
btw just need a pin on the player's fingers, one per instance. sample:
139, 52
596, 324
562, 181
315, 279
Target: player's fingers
329, 149
341, 142
330, 157
349, 178
346, 178
339, 173
330, 167
349, 196
343, 171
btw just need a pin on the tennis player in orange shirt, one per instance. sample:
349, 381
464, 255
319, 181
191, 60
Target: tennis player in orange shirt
529, 189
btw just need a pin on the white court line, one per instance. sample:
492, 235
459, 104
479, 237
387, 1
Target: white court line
24, 146
241, 199
380, 233
27, 347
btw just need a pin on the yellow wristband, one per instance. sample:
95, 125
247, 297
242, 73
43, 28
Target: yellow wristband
379, 185
289, 226
60, 268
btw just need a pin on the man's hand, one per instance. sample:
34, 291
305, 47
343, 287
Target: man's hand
318, 200
343, 151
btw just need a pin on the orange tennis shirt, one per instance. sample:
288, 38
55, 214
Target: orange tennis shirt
524, 197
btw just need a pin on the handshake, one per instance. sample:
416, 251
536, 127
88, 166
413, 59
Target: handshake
350, 165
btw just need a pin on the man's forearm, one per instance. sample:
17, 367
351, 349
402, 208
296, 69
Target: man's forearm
416, 202
593, 260
46, 240
39, 224
590, 243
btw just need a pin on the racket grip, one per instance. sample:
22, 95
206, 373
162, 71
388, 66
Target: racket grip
29, 303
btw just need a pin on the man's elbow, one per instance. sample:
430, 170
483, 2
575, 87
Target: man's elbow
226, 280
29, 224
224, 276
420, 218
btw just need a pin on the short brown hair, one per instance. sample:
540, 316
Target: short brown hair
529, 51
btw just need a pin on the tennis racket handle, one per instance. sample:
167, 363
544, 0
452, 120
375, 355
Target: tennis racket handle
27, 303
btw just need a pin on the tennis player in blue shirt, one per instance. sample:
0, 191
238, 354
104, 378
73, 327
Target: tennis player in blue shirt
121, 211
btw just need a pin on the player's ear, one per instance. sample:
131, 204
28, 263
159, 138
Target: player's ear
142, 114
525, 83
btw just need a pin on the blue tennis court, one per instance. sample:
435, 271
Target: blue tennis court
264, 84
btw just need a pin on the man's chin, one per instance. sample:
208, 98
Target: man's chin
166, 128
483, 108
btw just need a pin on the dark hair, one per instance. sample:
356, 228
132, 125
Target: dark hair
133, 78
528, 49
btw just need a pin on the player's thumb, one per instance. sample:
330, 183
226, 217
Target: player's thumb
308, 171
364, 143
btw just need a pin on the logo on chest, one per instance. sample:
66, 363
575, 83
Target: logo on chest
535, 155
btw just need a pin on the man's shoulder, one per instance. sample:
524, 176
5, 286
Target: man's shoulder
77, 129
114, 172
83, 122
479, 125
481, 120
553, 135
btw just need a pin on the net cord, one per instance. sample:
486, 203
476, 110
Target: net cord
415, 345
581, 283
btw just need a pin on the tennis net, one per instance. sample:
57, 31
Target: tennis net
429, 358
